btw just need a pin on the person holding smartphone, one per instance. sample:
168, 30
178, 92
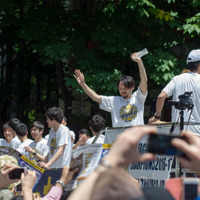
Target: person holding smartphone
4, 175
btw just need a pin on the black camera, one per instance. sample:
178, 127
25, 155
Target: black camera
16, 173
185, 102
161, 144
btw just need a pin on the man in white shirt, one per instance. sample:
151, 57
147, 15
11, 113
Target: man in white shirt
97, 123
59, 141
15, 141
64, 122
127, 109
8, 136
37, 149
185, 82
22, 134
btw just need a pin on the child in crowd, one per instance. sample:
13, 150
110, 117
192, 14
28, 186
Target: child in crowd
38, 149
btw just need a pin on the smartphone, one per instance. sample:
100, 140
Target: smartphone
189, 188
161, 144
16, 173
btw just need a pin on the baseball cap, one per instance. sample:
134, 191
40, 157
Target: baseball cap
193, 56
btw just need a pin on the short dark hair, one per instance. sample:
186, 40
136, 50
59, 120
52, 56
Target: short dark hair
13, 123
97, 123
38, 125
84, 131
193, 66
21, 129
5, 126
55, 113
128, 81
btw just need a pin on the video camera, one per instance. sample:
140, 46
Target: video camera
185, 102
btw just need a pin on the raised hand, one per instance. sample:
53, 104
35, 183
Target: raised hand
79, 77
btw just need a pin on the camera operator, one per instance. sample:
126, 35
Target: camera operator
179, 85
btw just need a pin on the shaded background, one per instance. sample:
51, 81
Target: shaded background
42, 42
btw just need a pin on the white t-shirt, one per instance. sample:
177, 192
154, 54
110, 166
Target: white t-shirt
125, 112
21, 147
46, 137
41, 147
180, 84
15, 142
59, 138
100, 140
71, 132
3, 142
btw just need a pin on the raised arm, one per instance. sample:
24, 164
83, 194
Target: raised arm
142, 72
92, 94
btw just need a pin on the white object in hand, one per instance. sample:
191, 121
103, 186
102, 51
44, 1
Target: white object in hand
142, 52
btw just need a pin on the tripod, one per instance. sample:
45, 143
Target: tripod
181, 106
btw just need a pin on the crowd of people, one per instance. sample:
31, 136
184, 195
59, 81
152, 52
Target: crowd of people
54, 151
113, 185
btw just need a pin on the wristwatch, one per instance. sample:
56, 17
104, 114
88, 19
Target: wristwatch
35, 153
157, 117
61, 183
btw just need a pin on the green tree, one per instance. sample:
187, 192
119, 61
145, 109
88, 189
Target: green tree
44, 42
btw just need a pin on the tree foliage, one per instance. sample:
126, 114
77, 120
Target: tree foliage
47, 40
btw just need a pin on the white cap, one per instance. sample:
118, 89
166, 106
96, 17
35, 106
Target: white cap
193, 56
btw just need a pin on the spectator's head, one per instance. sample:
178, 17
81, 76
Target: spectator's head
116, 184
97, 123
13, 124
55, 113
21, 130
84, 131
126, 85
37, 129
7, 132
193, 60
6, 194
83, 136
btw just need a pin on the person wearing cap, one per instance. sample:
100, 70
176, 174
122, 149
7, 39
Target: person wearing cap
185, 82
128, 108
